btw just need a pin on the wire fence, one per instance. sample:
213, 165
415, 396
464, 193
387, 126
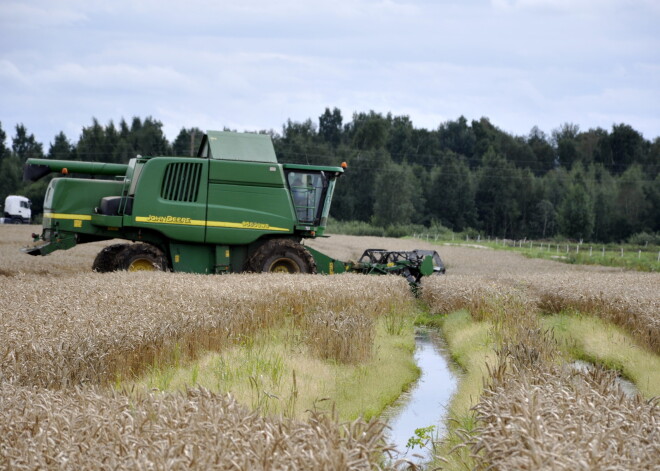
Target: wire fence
558, 248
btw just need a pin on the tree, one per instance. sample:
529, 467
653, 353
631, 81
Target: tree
4, 151
26, 146
544, 154
457, 136
528, 195
61, 148
399, 140
632, 202
369, 130
187, 142
564, 139
495, 196
395, 192
545, 218
330, 123
452, 198
628, 147
576, 216
91, 145
10, 176
149, 138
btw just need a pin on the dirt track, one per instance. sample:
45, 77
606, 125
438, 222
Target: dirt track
466, 259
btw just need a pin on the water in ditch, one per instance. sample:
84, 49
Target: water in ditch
425, 403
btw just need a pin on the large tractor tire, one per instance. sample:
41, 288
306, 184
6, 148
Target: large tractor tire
281, 256
141, 257
106, 260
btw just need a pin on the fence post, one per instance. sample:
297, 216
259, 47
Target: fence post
622, 251
590, 248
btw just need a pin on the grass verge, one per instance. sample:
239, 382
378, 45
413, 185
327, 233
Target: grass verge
274, 373
596, 341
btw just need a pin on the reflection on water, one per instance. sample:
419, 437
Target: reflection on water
425, 403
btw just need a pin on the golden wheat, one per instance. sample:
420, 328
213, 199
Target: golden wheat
91, 328
71, 330
536, 415
92, 429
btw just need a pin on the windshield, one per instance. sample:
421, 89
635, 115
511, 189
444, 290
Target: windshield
307, 191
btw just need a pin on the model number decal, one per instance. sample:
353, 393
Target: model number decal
254, 225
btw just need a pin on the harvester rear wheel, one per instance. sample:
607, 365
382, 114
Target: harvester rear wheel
106, 260
281, 256
141, 257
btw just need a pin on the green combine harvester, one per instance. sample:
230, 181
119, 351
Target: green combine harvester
233, 208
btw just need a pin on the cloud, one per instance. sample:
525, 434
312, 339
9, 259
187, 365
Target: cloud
39, 14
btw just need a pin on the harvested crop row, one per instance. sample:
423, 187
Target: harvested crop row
85, 429
91, 328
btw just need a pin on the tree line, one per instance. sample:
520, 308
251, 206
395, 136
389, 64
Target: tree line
597, 185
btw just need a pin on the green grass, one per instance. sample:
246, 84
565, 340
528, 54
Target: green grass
274, 373
635, 257
596, 341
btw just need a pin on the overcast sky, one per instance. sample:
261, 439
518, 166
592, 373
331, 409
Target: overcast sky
253, 64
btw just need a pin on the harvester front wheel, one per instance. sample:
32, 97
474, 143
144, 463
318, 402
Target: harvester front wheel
106, 260
141, 257
281, 256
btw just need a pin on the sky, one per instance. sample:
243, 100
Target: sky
251, 65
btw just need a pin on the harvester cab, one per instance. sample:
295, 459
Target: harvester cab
232, 208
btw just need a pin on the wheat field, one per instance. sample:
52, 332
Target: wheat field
68, 334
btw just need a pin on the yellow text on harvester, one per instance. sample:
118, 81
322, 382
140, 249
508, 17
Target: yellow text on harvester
192, 222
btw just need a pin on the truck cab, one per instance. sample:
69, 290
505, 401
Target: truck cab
17, 210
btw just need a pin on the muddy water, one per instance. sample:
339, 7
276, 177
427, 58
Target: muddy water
425, 403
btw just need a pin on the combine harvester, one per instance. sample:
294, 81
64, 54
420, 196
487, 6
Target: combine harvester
233, 208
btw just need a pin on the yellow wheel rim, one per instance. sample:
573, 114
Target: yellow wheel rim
284, 265
141, 265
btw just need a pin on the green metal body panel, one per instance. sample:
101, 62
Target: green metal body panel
67, 204
247, 201
328, 265
225, 145
164, 205
192, 258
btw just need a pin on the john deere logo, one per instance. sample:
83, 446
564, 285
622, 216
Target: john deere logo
168, 219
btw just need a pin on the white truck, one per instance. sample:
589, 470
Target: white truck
16, 210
